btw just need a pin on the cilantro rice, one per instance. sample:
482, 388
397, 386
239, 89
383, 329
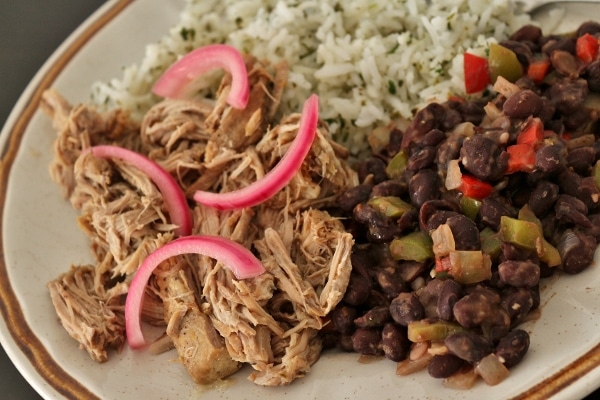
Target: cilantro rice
371, 62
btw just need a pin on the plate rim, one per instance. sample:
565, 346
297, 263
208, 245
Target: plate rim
28, 343
15, 127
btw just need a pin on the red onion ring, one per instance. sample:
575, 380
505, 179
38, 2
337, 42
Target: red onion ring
182, 72
232, 254
279, 176
172, 194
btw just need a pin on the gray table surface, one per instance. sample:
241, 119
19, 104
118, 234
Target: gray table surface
30, 30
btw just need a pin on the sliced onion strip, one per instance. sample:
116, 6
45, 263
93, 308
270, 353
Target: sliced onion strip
174, 81
235, 256
172, 194
279, 176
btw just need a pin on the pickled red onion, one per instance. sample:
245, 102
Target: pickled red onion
182, 72
173, 196
279, 176
235, 256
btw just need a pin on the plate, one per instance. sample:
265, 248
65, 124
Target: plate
40, 239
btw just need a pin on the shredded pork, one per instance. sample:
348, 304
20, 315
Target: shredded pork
215, 321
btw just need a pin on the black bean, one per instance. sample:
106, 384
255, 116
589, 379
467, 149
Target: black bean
395, 142
390, 281
543, 197
547, 112
345, 342
432, 138
550, 158
376, 299
472, 310
374, 318
521, 196
428, 296
519, 273
512, 252
438, 218
342, 318
395, 188
594, 230
483, 158
330, 339
525, 82
444, 365
449, 150
411, 270
529, 33
535, 295
576, 251
569, 209
450, 292
589, 193
521, 50
559, 43
565, 63
581, 159
379, 227
362, 261
394, 342
569, 182
353, 196
518, 302
491, 211
591, 27
373, 166
358, 290
406, 308
568, 95
367, 341
472, 111
592, 74
421, 158
426, 119
431, 207
497, 324
409, 221
451, 119
423, 186
523, 104
512, 348
491, 295
465, 232
580, 121
468, 346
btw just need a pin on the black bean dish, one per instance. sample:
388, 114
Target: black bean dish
462, 213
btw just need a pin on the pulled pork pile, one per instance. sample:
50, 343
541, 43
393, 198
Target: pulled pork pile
215, 321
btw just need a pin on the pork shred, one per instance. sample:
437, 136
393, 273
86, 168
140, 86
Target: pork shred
215, 321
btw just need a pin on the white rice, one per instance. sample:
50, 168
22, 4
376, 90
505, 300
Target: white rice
370, 61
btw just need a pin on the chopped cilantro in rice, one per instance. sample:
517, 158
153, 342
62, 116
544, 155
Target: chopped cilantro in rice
371, 62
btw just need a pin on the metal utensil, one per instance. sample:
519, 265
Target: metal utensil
561, 15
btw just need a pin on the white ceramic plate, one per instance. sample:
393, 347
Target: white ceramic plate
40, 239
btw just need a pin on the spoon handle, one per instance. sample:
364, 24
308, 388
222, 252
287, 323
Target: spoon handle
530, 6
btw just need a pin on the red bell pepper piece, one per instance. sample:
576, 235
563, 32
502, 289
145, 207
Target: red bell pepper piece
475, 188
538, 69
532, 133
521, 157
586, 48
477, 73
442, 264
